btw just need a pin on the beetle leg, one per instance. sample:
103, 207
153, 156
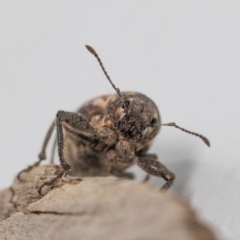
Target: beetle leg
155, 168
42, 154
50, 182
53, 150
78, 125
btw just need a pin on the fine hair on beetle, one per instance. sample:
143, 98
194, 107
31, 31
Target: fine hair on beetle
108, 134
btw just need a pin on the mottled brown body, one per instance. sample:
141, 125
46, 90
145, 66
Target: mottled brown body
95, 157
107, 135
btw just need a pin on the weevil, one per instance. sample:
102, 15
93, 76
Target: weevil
108, 134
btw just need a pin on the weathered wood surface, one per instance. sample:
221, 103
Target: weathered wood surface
95, 208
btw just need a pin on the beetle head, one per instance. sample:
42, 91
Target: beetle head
136, 118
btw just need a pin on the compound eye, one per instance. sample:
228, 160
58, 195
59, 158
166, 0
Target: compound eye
154, 122
125, 103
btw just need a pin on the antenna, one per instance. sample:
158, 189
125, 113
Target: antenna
172, 124
92, 51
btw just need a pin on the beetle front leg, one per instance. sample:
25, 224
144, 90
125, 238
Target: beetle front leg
78, 125
155, 168
150, 166
151, 156
51, 181
74, 123
60, 144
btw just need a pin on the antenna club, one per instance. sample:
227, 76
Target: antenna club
206, 141
91, 49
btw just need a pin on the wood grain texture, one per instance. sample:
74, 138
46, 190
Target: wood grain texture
95, 208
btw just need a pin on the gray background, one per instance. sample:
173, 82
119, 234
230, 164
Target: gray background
185, 55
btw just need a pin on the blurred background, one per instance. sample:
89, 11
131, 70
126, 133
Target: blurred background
185, 55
